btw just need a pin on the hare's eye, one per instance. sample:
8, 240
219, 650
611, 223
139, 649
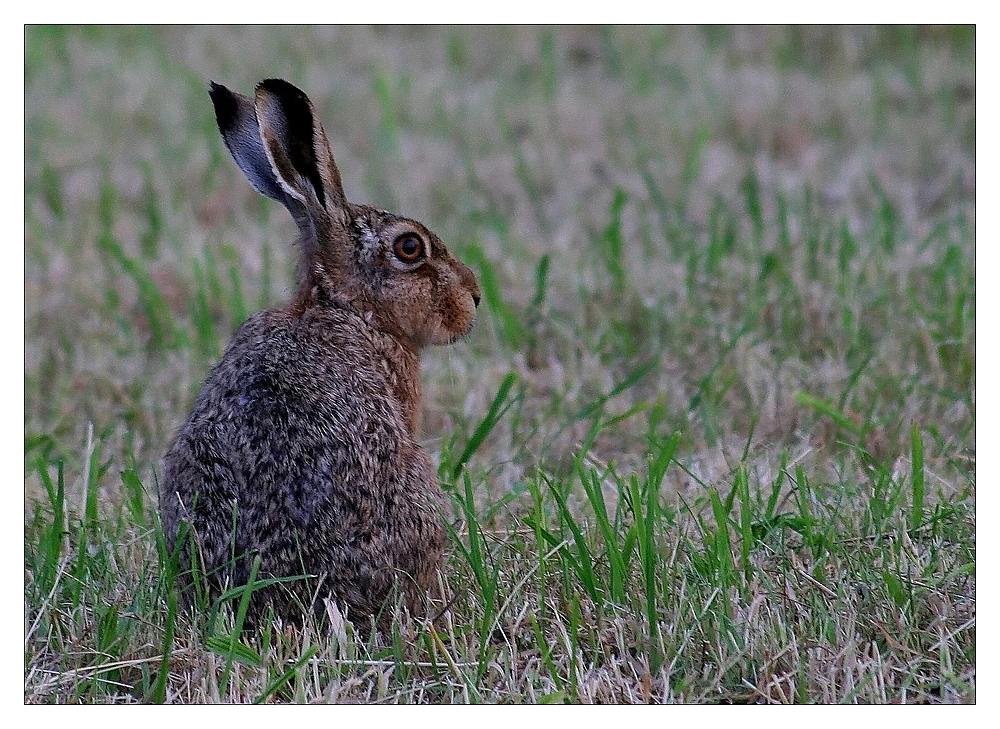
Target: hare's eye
408, 248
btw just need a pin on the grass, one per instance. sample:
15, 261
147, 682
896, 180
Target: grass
711, 441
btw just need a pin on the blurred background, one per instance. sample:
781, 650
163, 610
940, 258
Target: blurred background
754, 211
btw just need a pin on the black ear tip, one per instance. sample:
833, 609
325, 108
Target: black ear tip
215, 90
226, 107
283, 89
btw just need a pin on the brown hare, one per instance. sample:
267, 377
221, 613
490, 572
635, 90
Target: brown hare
301, 449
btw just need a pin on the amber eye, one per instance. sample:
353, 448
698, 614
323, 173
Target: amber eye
408, 248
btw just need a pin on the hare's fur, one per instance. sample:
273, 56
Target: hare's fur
301, 448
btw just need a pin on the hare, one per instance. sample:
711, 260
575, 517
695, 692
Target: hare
301, 449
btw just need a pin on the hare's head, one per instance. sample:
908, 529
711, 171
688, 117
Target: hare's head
390, 269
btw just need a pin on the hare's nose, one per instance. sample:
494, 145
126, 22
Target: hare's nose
475, 300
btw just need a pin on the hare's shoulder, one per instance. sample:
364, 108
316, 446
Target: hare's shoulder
306, 367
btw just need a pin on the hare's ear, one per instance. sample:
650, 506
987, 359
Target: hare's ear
237, 121
299, 152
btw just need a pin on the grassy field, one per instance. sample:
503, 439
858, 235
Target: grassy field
712, 440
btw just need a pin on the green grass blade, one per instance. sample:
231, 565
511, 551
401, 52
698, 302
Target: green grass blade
241, 615
496, 410
829, 410
917, 451
287, 676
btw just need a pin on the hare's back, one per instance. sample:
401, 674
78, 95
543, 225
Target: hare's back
295, 426
309, 387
